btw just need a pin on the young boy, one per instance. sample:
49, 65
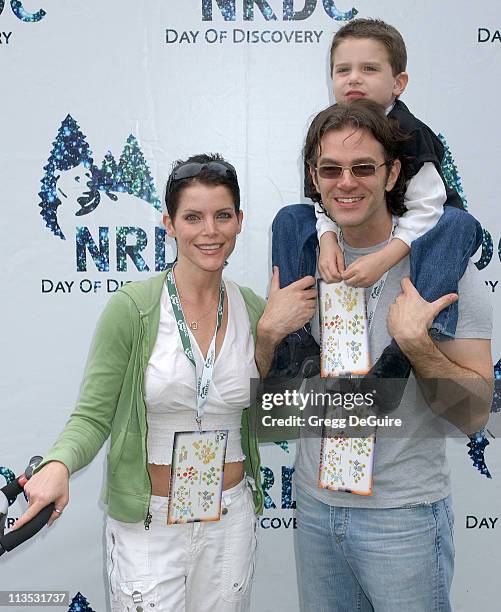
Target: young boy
368, 60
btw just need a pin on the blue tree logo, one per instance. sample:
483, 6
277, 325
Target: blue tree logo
453, 180
79, 604
71, 151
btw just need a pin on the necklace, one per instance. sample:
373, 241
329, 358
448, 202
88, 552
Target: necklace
193, 325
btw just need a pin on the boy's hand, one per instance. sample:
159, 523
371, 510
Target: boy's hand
365, 271
330, 259
368, 269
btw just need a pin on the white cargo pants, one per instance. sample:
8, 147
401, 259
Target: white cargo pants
195, 567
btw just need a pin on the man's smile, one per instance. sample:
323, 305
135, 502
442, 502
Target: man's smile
347, 202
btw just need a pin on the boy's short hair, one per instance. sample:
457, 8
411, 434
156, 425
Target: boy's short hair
378, 30
360, 114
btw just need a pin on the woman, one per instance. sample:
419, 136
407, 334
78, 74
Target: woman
159, 346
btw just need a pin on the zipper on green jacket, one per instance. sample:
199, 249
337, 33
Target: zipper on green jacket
147, 520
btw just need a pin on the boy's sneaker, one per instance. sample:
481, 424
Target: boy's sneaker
297, 357
387, 379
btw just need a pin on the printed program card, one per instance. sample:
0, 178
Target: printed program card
344, 336
346, 462
197, 472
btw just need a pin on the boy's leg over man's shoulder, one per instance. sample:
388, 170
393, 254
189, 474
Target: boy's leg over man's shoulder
294, 251
439, 259
294, 242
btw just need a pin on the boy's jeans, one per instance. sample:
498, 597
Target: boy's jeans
437, 261
372, 560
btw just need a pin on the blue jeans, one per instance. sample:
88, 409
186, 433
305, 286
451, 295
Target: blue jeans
437, 261
370, 560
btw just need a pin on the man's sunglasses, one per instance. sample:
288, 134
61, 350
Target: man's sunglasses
357, 170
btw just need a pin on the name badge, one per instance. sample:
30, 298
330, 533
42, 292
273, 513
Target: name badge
344, 330
197, 471
346, 462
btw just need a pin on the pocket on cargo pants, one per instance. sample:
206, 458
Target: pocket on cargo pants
128, 568
239, 549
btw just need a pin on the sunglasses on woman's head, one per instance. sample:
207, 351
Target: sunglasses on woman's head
192, 169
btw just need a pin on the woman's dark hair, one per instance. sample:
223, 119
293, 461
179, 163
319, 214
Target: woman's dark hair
214, 170
360, 114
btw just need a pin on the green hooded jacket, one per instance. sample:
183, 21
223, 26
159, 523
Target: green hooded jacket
111, 401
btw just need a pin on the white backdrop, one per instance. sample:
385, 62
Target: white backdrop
179, 82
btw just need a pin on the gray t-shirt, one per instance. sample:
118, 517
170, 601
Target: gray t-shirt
410, 467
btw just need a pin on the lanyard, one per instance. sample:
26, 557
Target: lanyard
205, 379
377, 289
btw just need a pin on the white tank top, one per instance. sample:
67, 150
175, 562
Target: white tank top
170, 381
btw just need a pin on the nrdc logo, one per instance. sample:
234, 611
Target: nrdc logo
21, 13
291, 10
110, 212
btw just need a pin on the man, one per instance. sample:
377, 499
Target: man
392, 550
